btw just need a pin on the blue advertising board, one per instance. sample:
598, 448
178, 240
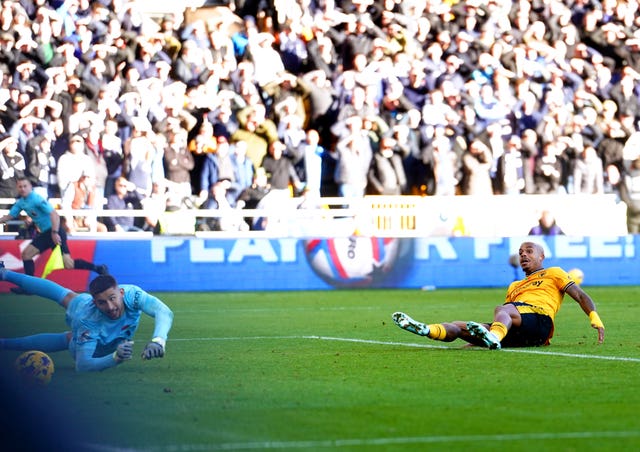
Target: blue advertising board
253, 264
249, 264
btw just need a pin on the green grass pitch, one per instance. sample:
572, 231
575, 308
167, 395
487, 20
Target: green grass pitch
328, 370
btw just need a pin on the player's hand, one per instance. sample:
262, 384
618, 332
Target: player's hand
124, 351
153, 350
600, 334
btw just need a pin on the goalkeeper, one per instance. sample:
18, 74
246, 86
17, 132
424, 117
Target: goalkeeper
103, 322
526, 318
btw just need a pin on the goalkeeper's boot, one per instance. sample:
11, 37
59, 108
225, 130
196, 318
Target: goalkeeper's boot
486, 336
407, 323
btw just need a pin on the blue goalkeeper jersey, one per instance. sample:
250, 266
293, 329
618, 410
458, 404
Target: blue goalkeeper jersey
38, 209
96, 336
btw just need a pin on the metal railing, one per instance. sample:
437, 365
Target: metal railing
397, 216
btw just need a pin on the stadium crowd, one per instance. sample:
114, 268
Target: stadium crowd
273, 99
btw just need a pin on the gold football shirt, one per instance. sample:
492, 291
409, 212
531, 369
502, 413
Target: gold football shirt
543, 290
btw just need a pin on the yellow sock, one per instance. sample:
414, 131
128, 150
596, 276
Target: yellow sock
437, 332
499, 330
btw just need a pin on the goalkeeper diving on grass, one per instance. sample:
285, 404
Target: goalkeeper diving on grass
526, 319
103, 322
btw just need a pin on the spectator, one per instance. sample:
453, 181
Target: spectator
625, 92
252, 195
386, 175
510, 177
446, 165
12, 167
190, 67
552, 73
415, 85
230, 217
588, 173
313, 154
26, 128
546, 225
488, 108
81, 117
353, 156
547, 173
85, 197
71, 166
202, 143
280, 171
290, 125
111, 145
477, 162
95, 151
243, 169
256, 130
268, 62
140, 157
124, 197
178, 163
42, 166
217, 166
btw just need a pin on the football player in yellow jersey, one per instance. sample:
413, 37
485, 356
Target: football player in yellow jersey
526, 318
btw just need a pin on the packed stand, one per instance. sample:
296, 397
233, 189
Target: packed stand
285, 101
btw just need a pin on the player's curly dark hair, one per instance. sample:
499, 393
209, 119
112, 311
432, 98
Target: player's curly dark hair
101, 283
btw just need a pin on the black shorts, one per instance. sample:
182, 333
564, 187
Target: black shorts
43, 241
535, 330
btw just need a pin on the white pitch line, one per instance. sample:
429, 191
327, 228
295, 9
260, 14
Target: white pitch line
410, 344
339, 443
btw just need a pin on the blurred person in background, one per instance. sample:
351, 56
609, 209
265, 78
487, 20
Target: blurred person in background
546, 225
12, 166
588, 172
50, 233
124, 197
353, 156
178, 163
85, 198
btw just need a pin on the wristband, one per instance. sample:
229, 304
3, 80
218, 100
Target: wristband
116, 358
159, 340
596, 322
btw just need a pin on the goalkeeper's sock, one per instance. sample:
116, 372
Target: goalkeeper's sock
38, 286
46, 342
499, 330
437, 332
81, 264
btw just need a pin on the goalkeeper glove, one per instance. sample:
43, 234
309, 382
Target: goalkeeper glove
154, 349
123, 352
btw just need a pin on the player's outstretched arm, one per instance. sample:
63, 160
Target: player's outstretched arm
589, 308
163, 316
154, 349
86, 362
